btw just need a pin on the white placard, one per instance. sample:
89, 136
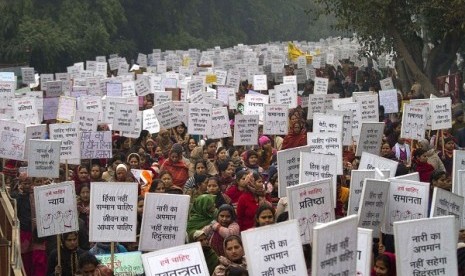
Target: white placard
372, 204
334, 248
426, 245
69, 136
388, 99
407, 200
357, 178
309, 204
167, 115
346, 125
320, 86
87, 121
28, 76
386, 84
413, 122
195, 86
34, 132
13, 140
142, 86
44, 158
275, 121
314, 166
276, 248
182, 110
458, 157
185, 259
286, 94
150, 121
356, 116
7, 92
66, 109
96, 144
441, 114
370, 161
446, 203
125, 117
369, 107
288, 167
160, 97
254, 104
220, 123
164, 221
364, 251
327, 123
199, 119
327, 143
245, 130
114, 89
25, 111
426, 104
316, 104
56, 210
260, 82
371, 138
113, 212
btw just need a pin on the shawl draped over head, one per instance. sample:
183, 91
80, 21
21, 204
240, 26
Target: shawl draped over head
293, 140
201, 213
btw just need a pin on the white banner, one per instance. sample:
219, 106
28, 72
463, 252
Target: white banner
44, 158
245, 130
276, 121
372, 205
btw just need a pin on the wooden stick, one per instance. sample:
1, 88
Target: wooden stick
442, 137
112, 258
66, 170
59, 250
436, 140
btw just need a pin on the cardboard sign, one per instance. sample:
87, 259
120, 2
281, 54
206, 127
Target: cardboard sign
274, 248
314, 166
66, 109
28, 76
44, 158
87, 121
407, 200
91, 104
125, 117
286, 94
320, 86
56, 210
370, 161
386, 84
68, 134
150, 121
346, 125
245, 130
25, 111
316, 104
327, 123
327, 143
275, 121
254, 104
458, 157
34, 132
356, 116
388, 99
164, 221
129, 263
185, 259
96, 145
413, 122
446, 203
426, 246
182, 108
441, 114
220, 123
334, 248
357, 178
113, 212
114, 89
167, 115
260, 82
424, 103
288, 167
372, 205
369, 104
371, 138
200, 120
309, 204
7, 92
364, 251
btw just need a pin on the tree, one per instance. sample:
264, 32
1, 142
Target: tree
426, 35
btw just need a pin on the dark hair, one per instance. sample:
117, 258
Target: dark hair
419, 152
229, 208
154, 185
232, 238
388, 262
88, 258
209, 141
241, 174
236, 271
261, 209
199, 179
223, 165
283, 217
218, 150
231, 150
162, 173
435, 175
204, 162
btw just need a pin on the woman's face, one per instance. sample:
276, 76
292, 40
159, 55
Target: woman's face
224, 218
180, 129
150, 146
160, 189
83, 174
134, 163
294, 119
235, 155
267, 146
174, 157
158, 151
385, 150
203, 187
200, 168
211, 149
229, 172
212, 187
222, 155
380, 268
95, 172
85, 194
167, 180
88, 269
242, 182
296, 128
121, 174
71, 242
265, 218
233, 251
450, 145
253, 160
127, 143
192, 144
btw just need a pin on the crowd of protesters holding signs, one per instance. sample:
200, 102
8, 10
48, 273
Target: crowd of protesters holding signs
272, 159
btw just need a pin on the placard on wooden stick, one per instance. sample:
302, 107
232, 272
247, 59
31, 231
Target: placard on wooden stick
44, 158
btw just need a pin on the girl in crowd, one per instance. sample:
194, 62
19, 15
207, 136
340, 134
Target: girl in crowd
191, 145
116, 160
179, 135
235, 191
265, 215
157, 187
150, 146
432, 155
421, 165
200, 167
221, 155
249, 201
387, 152
447, 155
83, 203
176, 166
224, 226
439, 179
251, 161
265, 152
235, 156
402, 152
134, 161
167, 181
199, 187
233, 256
210, 146
81, 176
201, 214
89, 265
225, 175
213, 188
69, 256
197, 155
385, 265
164, 141
96, 173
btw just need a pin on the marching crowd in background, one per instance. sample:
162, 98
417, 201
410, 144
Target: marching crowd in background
231, 188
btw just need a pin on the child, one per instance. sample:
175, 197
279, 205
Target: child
385, 265
422, 166
236, 190
213, 188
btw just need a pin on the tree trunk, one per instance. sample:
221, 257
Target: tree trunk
399, 45
441, 57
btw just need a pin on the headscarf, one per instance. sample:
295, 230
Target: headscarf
200, 214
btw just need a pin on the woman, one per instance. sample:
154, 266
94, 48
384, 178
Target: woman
81, 176
83, 204
265, 153
251, 161
164, 142
179, 135
134, 161
116, 160
150, 147
69, 256
176, 166
96, 173
225, 175
210, 147
191, 145
200, 167
387, 152
447, 155
201, 214
433, 157
122, 174
233, 256
224, 226
221, 155
100, 248
199, 187
249, 201
265, 215
235, 191
167, 182
89, 265
297, 136
385, 265
197, 155
235, 156
422, 166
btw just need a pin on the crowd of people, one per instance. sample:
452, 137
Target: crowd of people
231, 188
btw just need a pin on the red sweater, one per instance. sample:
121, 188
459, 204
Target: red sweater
234, 193
246, 208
